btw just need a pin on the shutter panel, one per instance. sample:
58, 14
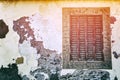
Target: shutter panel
90, 38
98, 38
74, 45
82, 37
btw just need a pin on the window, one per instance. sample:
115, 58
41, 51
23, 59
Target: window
86, 38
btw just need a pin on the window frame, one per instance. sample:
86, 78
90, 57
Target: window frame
69, 64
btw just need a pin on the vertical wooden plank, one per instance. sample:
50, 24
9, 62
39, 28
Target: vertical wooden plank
74, 34
99, 38
82, 37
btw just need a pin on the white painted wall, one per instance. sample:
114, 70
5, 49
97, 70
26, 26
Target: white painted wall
51, 22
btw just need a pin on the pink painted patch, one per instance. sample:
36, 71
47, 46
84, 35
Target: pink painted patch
112, 19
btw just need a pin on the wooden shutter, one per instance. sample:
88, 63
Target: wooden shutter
86, 39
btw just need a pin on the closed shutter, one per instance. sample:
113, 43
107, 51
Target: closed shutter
86, 39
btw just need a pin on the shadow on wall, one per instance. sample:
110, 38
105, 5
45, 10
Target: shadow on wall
116, 55
10, 72
3, 29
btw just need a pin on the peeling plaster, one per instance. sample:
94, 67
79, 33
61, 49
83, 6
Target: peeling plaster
112, 19
52, 14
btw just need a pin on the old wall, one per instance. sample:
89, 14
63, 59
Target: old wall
51, 23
